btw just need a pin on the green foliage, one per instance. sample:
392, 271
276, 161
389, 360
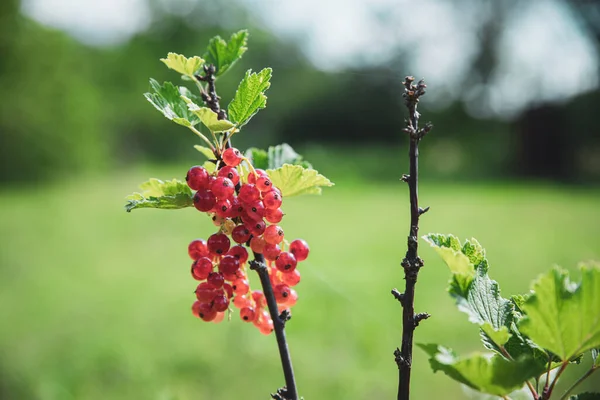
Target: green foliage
224, 54
208, 117
586, 396
493, 375
168, 100
258, 157
208, 153
275, 157
562, 316
250, 96
172, 194
294, 180
595, 358
182, 64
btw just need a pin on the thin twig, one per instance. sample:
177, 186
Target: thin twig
546, 395
506, 354
411, 263
583, 378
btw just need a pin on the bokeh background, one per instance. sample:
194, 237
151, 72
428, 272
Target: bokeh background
95, 303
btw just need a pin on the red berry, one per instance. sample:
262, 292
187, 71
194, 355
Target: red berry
240, 286
273, 234
197, 178
218, 244
204, 200
237, 209
232, 157
282, 293
231, 173
240, 234
264, 184
257, 244
274, 216
242, 301
206, 312
248, 314
205, 292
286, 262
257, 228
228, 290
259, 299
229, 265
291, 278
201, 268
249, 193
255, 210
240, 253
216, 279
221, 303
198, 249
266, 327
271, 251
223, 208
272, 200
222, 188
219, 317
292, 298
259, 173
299, 248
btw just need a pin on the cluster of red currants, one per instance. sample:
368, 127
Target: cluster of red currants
247, 213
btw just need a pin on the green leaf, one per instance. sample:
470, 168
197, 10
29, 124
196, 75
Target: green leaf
224, 54
586, 396
168, 100
499, 336
486, 373
294, 180
285, 154
160, 194
208, 153
250, 96
449, 248
258, 157
564, 317
209, 118
182, 64
595, 358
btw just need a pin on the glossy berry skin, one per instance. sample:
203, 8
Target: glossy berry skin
222, 188
240, 234
237, 208
272, 200
273, 234
291, 278
259, 173
206, 312
242, 301
197, 178
232, 157
271, 251
240, 253
299, 248
201, 268
204, 200
264, 184
223, 208
218, 244
229, 265
228, 290
248, 314
240, 286
282, 293
257, 244
249, 193
286, 262
274, 216
255, 210
230, 173
258, 227
220, 303
259, 299
205, 292
216, 279
198, 249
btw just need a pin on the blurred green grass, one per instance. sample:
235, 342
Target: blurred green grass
95, 302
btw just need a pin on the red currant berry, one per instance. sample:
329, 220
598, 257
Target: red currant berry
218, 244
197, 178
240, 253
255, 210
257, 244
222, 188
204, 200
258, 227
242, 301
249, 193
259, 299
228, 290
274, 216
299, 248
273, 234
205, 292
206, 312
198, 249
232, 157
240, 234
282, 293
221, 303
292, 298
223, 208
271, 251
248, 314
259, 173
216, 279
229, 265
286, 262
237, 208
264, 184
201, 268
196, 309
219, 317
272, 200
240, 286
266, 328
291, 278
230, 173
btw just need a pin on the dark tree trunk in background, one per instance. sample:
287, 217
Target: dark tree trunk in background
544, 145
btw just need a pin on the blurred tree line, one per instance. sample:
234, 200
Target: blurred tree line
68, 107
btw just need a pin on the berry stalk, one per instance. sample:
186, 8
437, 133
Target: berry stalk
411, 263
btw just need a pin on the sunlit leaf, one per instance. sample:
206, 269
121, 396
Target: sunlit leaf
223, 54
168, 100
208, 153
182, 64
258, 157
294, 180
156, 193
209, 118
250, 96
